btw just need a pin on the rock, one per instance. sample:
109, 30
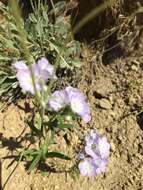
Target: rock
103, 88
113, 147
113, 113
134, 68
100, 93
105, 104
132, 100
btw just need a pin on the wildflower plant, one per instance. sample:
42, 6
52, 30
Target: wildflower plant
57, 106
55, 110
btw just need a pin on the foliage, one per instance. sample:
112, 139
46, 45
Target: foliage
48, 34
51, 35
9, 52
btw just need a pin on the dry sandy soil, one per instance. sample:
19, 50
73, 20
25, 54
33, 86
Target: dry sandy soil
115, 94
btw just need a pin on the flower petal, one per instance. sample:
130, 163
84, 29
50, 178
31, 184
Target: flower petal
78, 103
46, 69
58, 100
20, 65
87, 167
103, 147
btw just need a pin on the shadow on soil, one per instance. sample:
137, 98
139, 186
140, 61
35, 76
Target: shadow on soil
140, 120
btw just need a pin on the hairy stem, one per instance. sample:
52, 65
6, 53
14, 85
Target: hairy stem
23, 40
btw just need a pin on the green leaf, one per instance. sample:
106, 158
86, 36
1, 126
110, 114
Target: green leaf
2, 78
5, 87
76, 63
37, 121
29, 158
57, 155
43, 173
65, 126
35, 162
44, 148
74, 173
52, 140
29, 152
34, 130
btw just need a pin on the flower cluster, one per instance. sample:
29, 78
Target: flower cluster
97, 152
42, 71
70, 97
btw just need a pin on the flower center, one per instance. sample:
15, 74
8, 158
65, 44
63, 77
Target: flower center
93, 147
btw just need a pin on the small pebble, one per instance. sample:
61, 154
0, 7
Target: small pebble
134, 68
105, 104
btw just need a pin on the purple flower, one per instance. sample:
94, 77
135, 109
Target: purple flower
101, 165
72, 97
91, 138
42, 71
46, 69
103, 147
20, 65
24, 77
87, 167
58, 100
78, 103
91, 144
73, 92
97, 148
91, 151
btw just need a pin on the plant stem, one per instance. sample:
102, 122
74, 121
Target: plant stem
20, 158
23, 41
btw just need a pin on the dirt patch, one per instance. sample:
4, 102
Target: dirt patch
115, 95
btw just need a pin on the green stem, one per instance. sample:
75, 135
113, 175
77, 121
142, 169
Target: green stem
23, 41
8, 178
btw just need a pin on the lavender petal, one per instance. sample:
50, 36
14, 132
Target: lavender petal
87, 167
58, 100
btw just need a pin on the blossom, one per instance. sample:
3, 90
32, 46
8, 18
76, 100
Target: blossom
87, 167
46, 69
42, 71
73, 92
70, 97
20, 65
24, 77
103, 147
97, 148
78, 103
91, 138
101, 165
91, 151
58, 100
